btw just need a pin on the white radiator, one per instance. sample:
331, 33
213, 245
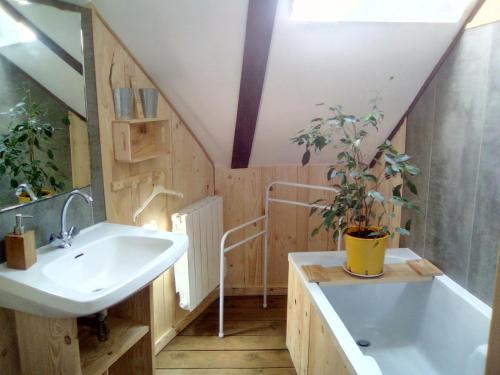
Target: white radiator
197, 272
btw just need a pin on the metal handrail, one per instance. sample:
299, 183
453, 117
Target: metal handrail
265, 217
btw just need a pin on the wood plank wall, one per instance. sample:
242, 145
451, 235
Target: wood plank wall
186, 168
243, 191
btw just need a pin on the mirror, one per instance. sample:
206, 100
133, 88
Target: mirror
44, 145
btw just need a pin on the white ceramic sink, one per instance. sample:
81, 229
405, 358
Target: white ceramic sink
106, 264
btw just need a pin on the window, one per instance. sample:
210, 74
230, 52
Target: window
425, 11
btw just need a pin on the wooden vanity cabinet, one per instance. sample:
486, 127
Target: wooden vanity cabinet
314, 350
53, 346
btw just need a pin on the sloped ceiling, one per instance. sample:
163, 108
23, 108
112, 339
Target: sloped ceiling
193, 50
41, 63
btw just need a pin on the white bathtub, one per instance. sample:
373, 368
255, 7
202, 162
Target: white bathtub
422, 328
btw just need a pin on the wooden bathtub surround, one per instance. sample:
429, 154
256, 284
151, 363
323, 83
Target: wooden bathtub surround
424, 267
410, 271
54, 345
183, 167
493, 358
313, 348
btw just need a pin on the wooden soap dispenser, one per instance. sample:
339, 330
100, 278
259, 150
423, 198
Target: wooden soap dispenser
20, 249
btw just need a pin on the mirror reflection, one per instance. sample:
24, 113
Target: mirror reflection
43, 132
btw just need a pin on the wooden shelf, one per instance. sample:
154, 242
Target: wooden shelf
96, 357
140, 139
142, 120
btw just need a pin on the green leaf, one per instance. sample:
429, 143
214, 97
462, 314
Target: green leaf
402, 158
342, 155
398, 201
13, 183
412, 187
22, 138
48, 132
306, 157
402, 231
370, 177
65, 120
408, 225
331, 174
396, 191
50, 154
376, 195
412, 169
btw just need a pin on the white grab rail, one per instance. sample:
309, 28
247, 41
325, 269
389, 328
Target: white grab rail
265, 217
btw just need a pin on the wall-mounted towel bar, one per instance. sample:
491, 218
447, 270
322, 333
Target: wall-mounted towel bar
265, 218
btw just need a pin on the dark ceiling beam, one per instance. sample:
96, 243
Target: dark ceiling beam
42, 37
259, 31
429, 79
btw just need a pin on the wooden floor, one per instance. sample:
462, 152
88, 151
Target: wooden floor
254, 342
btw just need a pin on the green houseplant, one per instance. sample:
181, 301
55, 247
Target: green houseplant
359, 211
26, 150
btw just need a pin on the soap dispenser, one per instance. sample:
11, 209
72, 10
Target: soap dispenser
20, 249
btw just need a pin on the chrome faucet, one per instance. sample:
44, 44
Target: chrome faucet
26, 188
66, 235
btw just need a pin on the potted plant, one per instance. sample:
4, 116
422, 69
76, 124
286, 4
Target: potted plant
359, 211
26, 153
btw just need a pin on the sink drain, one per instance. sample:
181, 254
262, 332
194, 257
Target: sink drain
363, 343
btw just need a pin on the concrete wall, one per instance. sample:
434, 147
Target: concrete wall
453, 134
14, 81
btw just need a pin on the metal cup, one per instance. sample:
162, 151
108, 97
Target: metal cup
124, 103
149, 98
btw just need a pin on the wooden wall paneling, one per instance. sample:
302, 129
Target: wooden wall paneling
253, 198
303, 234
186, 168
80, 151
489, 12
290, 227
317, 176
283, 218
230, 185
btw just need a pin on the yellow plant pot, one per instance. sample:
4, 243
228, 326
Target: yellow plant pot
365, 257
25, 198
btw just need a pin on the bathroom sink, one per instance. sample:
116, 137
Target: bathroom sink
105, 264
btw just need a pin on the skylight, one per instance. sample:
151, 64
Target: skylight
424, 11
12, 31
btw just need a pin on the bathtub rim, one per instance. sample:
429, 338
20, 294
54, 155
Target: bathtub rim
357, 362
